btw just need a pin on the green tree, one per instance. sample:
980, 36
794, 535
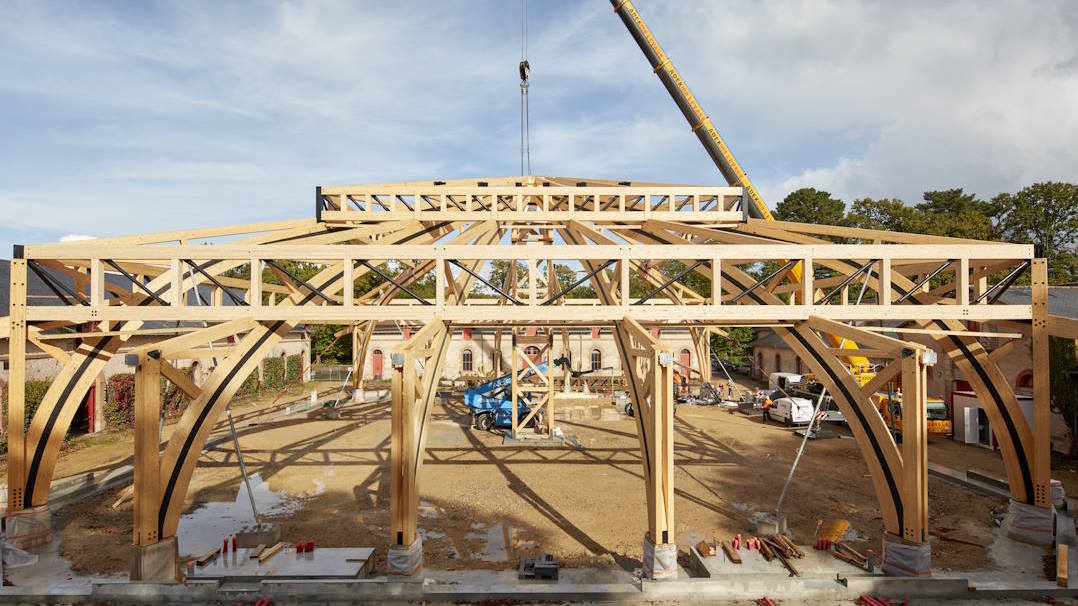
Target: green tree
735, 346
810, 205
566, 277
956, 214
326, 347
890, 214
1044, 214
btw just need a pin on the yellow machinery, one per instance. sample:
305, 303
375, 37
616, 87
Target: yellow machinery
936, 411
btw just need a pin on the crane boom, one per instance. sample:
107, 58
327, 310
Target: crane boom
709, 137
698, 120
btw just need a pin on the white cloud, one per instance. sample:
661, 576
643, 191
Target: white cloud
890, 99
137, 118
75, 237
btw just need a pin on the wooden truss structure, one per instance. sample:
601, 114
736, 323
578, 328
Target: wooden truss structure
696, 260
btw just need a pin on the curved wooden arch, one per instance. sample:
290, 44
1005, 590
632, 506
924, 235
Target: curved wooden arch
877, 445
1000, 404
181, 455
30, 483
57, 409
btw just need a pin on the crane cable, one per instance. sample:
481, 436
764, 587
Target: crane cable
525, 74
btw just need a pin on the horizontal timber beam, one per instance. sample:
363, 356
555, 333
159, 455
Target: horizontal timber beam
483, 314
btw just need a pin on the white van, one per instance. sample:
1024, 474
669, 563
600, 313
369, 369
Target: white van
782, 380
790, 410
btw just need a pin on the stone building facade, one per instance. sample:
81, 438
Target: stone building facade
472, 351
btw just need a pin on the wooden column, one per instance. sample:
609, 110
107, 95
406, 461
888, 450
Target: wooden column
663, 436
648, 366
147, 492
402, 448
413, 399
1042, 436
514, 392
914, 448
16, 468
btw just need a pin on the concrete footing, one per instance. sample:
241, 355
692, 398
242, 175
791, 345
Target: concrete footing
261, 534
660, 561
157, 562
405, 560
905, 559
1029, 523
357, 396
29, 527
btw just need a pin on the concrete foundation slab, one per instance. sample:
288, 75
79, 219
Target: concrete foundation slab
29, 527
405, 560
262, 534
157, 562
322, 563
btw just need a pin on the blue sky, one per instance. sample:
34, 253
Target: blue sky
129, 117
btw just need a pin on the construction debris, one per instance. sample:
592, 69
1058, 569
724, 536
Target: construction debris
1062, 565
206, 559
705, 549
268, 553
731, 552
545, 568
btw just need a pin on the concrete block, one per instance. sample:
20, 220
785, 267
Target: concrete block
357, 396
29, 527
405, 560
157, 562
904, 559
262, 534
660, 561
1029, 523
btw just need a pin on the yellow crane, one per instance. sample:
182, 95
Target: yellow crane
709, 136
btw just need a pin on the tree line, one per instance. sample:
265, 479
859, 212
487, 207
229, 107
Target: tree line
1043, 214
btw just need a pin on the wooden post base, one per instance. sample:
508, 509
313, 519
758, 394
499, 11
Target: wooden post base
660, 561
1029, 523
903, 559
29, 527
405, 560
157, 562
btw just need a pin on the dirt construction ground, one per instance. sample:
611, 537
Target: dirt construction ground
484, 504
